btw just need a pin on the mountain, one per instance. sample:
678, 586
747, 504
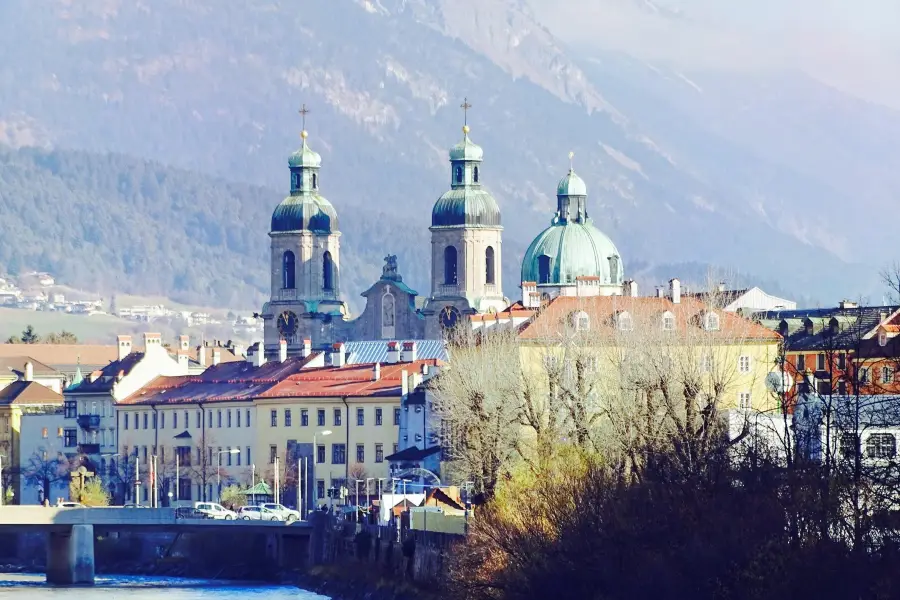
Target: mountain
675, 176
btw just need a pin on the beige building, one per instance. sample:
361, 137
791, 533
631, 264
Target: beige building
239, 422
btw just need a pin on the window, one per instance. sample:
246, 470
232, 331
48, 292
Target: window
274, 418
304, 417
228, 417
146, 420
273, 453
248, 456
668, 321
489, 265
183, 455
581, 321
887, 374
459, 174
475, 174
823, 387
137, 418
712, 321
219, 418
849, 444
45, 433
59, 433
287, 417
198, 420
320, 454
175, 420
320, 488
248, 417
842, 361
842, 387
450, 265
154, 420
820, 362
337, 417
864, 374
881, 445
379, 453
327, 271
744, 402
228, 454
338, 454
706, 363
360, 453
315, 182
396, 416
801, 362
162, 420
882, 338
144, 452
237, 457
209, 414
126, 421
287, 270
360, 417
543, 269
378, 417
744, 364
624, 321
237, 419
320, 417
396, 447
71, 409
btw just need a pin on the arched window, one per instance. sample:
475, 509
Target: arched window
712, 321
475, 174
543, 269
459, 174
668, 321
489, 265
315, 181
287, 270
450, 265
327, 271
624, 321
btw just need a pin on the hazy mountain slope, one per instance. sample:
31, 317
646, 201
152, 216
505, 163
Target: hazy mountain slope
214, 87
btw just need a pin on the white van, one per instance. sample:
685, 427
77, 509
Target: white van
214, 511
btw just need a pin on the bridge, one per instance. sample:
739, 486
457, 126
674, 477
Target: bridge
70, 539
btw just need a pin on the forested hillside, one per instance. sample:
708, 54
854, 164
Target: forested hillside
114, 223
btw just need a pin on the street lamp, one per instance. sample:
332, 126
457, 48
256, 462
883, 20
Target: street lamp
316, 449
219, 469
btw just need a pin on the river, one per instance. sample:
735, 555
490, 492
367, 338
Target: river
34, 587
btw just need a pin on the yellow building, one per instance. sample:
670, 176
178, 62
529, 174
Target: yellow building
232, 424
724, 349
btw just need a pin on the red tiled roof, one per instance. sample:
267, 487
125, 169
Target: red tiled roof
353, 380
516, 309
603, 309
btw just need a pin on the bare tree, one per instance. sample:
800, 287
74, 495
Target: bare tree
45, 469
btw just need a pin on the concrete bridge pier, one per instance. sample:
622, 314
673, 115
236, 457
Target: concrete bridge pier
70, 556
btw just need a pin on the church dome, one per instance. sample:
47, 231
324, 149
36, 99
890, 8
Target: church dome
466, 149
571, 185
305, 212
565, 251
305, 157
466, 206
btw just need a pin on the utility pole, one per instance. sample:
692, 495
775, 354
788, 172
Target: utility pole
276, 480
305, 478
299, 485
137, 481
177, 495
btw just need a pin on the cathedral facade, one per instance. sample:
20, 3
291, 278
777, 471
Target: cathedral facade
306, 301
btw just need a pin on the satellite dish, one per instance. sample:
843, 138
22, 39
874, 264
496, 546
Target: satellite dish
779, 382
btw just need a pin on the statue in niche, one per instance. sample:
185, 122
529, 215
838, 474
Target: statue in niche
387, 308
389, 270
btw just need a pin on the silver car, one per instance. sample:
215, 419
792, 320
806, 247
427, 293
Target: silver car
257, 513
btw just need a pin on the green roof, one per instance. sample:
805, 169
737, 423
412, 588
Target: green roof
470, 206
305, 211
304, 157
466, 149
574, 249
571, 185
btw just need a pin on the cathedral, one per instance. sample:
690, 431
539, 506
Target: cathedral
466, 251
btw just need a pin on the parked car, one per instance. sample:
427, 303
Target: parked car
213, 510
284, 513
258, 513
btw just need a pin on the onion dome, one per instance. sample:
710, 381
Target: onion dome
305, 209
467, 203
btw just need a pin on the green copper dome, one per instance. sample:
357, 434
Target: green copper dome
571, 185
305, 212
572, 246
304, 157
467, 203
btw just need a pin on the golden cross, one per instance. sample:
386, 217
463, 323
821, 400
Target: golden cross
303, 112
465, 106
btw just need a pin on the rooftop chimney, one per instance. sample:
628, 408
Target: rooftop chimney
845, 304
659, 292
631, 288
152, 343
184, 342
183, 360
530, 296
259, 357
675, 290
404, 383
410, 352
124, 344
216, 357
29, 371
337, 354
307, 348
376, 372
424, 370
282, 350
201, 355
721, 286
393, 353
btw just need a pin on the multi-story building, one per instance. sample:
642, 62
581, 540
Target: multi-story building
847, 349
239, 423
43, 457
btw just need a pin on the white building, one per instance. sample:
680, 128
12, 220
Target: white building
42, 461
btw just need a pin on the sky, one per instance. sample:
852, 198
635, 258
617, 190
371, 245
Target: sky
850, 44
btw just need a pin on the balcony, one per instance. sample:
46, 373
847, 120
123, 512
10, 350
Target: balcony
89, 448
490, 289
448, 290
89, 421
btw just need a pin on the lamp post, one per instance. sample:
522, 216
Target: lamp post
316, 449
358, 481
219, 470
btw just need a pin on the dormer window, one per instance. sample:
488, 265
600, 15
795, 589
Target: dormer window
581, 321
624, 321
808, 326
668, 321
711, 321
882, 338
